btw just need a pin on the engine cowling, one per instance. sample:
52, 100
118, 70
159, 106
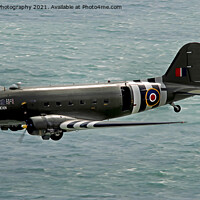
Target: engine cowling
46, 126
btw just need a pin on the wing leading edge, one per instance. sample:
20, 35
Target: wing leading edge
81, 125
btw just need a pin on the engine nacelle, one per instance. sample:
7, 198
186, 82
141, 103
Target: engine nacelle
40, 125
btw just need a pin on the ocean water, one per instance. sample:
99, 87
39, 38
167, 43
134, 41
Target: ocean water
71, 46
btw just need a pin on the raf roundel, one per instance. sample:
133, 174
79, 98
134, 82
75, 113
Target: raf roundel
152, 97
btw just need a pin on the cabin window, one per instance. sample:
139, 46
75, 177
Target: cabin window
46, 104
94, 101
106, 101
82, 102
70, 103
58, 104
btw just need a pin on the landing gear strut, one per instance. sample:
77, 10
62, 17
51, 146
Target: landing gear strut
177, 108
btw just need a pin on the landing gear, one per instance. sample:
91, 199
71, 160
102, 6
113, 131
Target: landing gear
46, 137
56, 136
177, 108
53, 135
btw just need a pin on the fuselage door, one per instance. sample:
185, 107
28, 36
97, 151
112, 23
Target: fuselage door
126, 98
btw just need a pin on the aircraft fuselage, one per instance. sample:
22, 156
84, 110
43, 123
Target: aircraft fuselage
99, 101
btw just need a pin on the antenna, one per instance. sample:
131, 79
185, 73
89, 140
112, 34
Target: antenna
16, 86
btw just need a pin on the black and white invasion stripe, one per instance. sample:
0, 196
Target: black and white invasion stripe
77, 125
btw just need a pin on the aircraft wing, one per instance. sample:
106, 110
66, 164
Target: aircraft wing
53, 126
184, 90
11, 124
81, 124
191, 92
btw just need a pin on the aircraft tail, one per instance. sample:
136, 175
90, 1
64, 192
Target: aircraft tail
185, 68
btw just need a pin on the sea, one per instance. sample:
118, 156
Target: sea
63, 42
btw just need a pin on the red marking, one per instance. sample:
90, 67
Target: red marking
152, 97
178, 72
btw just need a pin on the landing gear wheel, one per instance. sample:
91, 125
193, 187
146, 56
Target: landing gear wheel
45, 137
177, 108
56, 137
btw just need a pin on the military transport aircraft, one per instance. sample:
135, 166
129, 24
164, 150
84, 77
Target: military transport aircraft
50, 111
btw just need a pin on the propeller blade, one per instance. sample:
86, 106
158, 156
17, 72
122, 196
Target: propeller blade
22, 137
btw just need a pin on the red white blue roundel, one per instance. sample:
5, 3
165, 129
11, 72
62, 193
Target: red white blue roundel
152, 97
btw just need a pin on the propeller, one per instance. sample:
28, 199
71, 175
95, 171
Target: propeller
23, 134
